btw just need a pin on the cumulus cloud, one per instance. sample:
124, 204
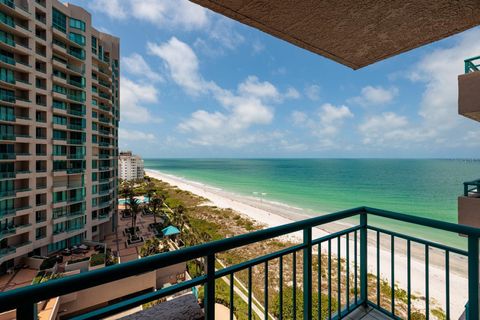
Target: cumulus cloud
134, 135
136, 65
247, 106
393, 130
162, 13
133, 96
439, 71
438, 121
375, 96
324, 124
182, 63
313, 92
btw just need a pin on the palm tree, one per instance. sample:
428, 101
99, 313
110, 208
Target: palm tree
156, 203
179, 218
135, 208
150, 188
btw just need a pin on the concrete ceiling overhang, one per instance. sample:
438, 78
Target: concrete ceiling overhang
353, 33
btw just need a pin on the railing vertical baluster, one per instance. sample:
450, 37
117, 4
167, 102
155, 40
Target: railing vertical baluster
427, 285
27, 311
294, 262
319, 280
473, 278
280, 289
348, 272
329, 279
378, 268
339, 278
307, 274
363, 258
210, 288
249, 293
232, 282
392, 257
266, 290
409, 280
356, 268
447, 284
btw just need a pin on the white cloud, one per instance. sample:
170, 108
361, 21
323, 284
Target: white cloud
439, 122
325, 124
393, 130
135, 135
253, 87
439, 71
299, 117
313, 92
162, 13
114, 8
257, 46
375, 96
292, 93
224, 33
133, 96
136, 65
182, 63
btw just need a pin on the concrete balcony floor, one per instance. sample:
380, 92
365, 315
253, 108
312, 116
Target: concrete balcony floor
367, 314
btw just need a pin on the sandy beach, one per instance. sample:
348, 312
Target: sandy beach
273, 214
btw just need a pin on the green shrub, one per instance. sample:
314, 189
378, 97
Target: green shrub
97, 259
288, 304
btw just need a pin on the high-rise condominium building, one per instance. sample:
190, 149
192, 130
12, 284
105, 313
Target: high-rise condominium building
130, 166
59, 113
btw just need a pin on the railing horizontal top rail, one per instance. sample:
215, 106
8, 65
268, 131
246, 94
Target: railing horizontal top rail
11, 299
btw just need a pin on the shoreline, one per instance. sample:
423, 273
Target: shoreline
273, 214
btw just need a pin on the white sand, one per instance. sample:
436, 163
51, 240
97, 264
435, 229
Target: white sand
274, 214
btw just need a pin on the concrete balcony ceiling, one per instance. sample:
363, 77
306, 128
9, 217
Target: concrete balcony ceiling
353, 33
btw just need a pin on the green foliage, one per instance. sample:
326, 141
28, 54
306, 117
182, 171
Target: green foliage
153, 246
439, 313
48, 263
38, 277
78, 260
173, 203
97, 259
222, 296
206, 228
417, 316
194, 268
288, 304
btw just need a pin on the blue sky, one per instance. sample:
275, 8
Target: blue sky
196, 84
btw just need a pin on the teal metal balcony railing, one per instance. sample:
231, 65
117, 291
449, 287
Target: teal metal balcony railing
358, 292
472, 64
471, 187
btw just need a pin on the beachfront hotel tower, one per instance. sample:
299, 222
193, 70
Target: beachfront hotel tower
59, 114
130, 166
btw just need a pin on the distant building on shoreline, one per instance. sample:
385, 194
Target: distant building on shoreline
131, 166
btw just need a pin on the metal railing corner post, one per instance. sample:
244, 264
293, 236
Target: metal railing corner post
307, 274
473, 278
27, 311
363, 258
209, 292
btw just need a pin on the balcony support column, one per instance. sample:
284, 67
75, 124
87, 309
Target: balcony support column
307, 274
363, 258
473, 278
209, 293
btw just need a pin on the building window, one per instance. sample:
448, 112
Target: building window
59, 20
77, 38
77, 24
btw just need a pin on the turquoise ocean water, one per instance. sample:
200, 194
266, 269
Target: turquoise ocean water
427, 188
